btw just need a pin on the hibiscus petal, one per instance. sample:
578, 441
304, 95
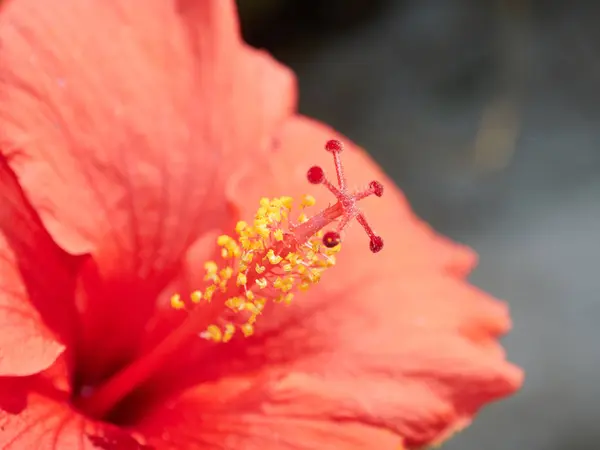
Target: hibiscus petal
36, 287
26, 345
52, 425
127, 118
399, 342
235, 419
420, 391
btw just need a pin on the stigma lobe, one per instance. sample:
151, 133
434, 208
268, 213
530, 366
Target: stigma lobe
346, 201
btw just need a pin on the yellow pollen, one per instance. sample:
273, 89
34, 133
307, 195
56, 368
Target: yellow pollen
286, 202
196, 296
212, 333
273, 258
223, 240
211, 267
247, 329
285, 298
262, 283
208, 293
228, 332
176, 302
308, 200
240, 226
226, 273
241, 279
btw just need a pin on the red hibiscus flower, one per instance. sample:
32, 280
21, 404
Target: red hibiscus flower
136, 137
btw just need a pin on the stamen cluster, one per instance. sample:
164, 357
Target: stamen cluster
274, 257
264, 260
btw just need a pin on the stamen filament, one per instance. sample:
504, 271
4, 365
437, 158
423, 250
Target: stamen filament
107, 396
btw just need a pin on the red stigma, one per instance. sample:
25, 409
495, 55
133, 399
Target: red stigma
376, 187
346, 206
315, 175
331, 239
334, 146
376, 244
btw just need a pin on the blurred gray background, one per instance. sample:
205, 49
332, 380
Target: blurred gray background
486, 114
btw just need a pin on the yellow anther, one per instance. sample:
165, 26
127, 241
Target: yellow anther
287, 202
196, 296
285, 298
226, 273
261, 282
260, 214
230, 248
228, 332
284, 284
212, 333
176, 302
247, 329
302, 218
273, 258
211, 271
265, 202
223, 240
260, 303
263, 231
235, 303
212, 277
211, 267
260, 269
287, 268
250, 295
208, 293
247, 257
288, 284
304, 286
278, 235
241, 279
274, 216
252, 308
308, 200
314, 275
247, 243
292, 257
240, 226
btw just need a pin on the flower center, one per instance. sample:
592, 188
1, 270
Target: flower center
280, 253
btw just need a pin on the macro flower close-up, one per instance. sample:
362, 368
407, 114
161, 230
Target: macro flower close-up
189, 263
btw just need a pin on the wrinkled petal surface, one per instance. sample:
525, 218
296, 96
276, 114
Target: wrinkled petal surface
399, 342
122, 120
